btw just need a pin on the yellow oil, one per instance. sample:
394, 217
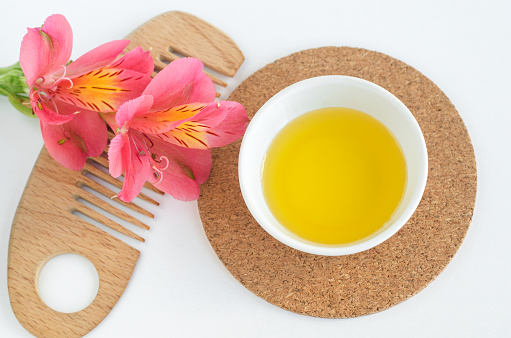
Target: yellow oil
334, 176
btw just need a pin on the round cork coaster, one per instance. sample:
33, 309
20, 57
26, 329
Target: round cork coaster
373, 280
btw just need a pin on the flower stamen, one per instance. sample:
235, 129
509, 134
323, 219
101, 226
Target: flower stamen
158, 174
63, 78
139, 151
158, 168
166, 162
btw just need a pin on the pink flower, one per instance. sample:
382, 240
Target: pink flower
67, 97
164, 136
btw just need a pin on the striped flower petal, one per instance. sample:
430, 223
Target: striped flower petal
103, 90
156, 122
137, 60
215, 126
182, 81
96, 58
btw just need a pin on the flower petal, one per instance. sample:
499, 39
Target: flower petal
46, 114
64, 108
61, 38
187, 168
156, 122
180, 187
215, 126
91, 130
178, 82
103, 90
203, 89
45, 50
137, 171
98, 57
109, 118
231, 128
132, 108
195, 162
137, 60
71, 143
118, 154
68, 154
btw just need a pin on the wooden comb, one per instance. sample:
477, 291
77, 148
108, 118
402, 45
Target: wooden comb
46, 223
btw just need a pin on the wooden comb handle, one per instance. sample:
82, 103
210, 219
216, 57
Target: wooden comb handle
44, 227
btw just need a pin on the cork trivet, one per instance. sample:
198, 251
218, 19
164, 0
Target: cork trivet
373, 280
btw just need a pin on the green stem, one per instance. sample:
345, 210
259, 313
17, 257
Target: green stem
5, 70
13, 84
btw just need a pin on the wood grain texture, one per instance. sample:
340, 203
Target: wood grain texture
44, 227
46, 224
175, 34
375, 279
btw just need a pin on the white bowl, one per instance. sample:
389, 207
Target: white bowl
321, 92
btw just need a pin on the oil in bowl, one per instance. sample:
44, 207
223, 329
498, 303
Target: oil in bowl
333, 165
334, 176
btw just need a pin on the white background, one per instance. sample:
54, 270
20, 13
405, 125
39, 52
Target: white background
180, 288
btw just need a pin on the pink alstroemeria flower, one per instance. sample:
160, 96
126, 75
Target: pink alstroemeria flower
164, 136
67, 97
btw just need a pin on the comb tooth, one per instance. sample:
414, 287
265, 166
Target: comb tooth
109, 179
216, 80
169, 57
151, 187
85, 195
101, 161
109, 193
105, 221
104, 163
159, 65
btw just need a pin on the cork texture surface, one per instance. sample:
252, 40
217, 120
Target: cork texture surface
373, 280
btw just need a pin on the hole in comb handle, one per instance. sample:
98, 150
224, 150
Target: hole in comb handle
68, 283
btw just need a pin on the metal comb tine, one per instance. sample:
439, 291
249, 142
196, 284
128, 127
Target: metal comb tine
98, 202
104, 163
105, 220
109, 193
88, 168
